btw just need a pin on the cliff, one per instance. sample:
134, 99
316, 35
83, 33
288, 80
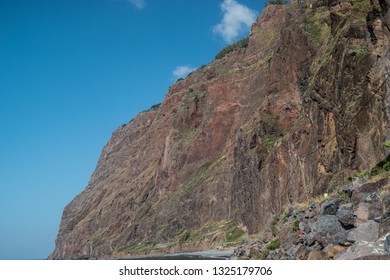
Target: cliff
286, 117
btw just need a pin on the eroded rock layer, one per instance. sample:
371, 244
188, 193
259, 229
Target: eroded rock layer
288, 117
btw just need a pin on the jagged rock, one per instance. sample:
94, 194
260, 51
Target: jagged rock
316, 246
240, 251
327, 230
310, 239
384, 226
358, 182
297, 252
375, 257
304, 227
316, 255
361, 193
347, 190
360, 249
273, 255
311, 211
345, 215
386, 245
296, 214
268, 236
287, 235
330, 207
334, 250
362, 213
368, 232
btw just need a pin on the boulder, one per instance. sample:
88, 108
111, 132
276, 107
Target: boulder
368, 232
327, 230
361, 192
327, 224
288, 235
296, 252
330, 207
333, 251
386, 245
312, 211
317, 255
345, 215
360, 249
374, 257
273, 255
295, 214
362, 213
304, 227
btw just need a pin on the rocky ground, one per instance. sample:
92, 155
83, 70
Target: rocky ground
352, 223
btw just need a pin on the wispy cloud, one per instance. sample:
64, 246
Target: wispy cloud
182, 71
140, 4
237, 18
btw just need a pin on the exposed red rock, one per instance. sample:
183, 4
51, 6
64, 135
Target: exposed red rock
289, 117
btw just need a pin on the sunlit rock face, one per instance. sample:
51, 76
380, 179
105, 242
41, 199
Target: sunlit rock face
287, 116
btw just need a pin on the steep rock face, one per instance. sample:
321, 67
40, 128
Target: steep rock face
288, 117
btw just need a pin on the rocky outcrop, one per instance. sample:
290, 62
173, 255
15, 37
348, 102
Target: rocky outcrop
301, 233
286, 118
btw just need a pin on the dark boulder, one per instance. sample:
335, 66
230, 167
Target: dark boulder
330, 207
345, 215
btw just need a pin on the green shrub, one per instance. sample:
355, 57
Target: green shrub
295, 225
274, 225
264, 255
155, 107
243, 43
274, 244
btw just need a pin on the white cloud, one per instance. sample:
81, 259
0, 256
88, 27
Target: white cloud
140, 4
237, 19
182, 71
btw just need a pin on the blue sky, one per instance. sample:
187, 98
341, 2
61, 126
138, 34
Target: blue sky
71, 72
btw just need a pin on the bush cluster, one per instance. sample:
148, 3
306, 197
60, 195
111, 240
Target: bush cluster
243, 43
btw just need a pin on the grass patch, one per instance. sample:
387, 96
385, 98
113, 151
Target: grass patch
274, 244
316, 27
295, 225
362, 5
269, 141
264, 255
225, 233
360, 51
138, 248
274, 225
